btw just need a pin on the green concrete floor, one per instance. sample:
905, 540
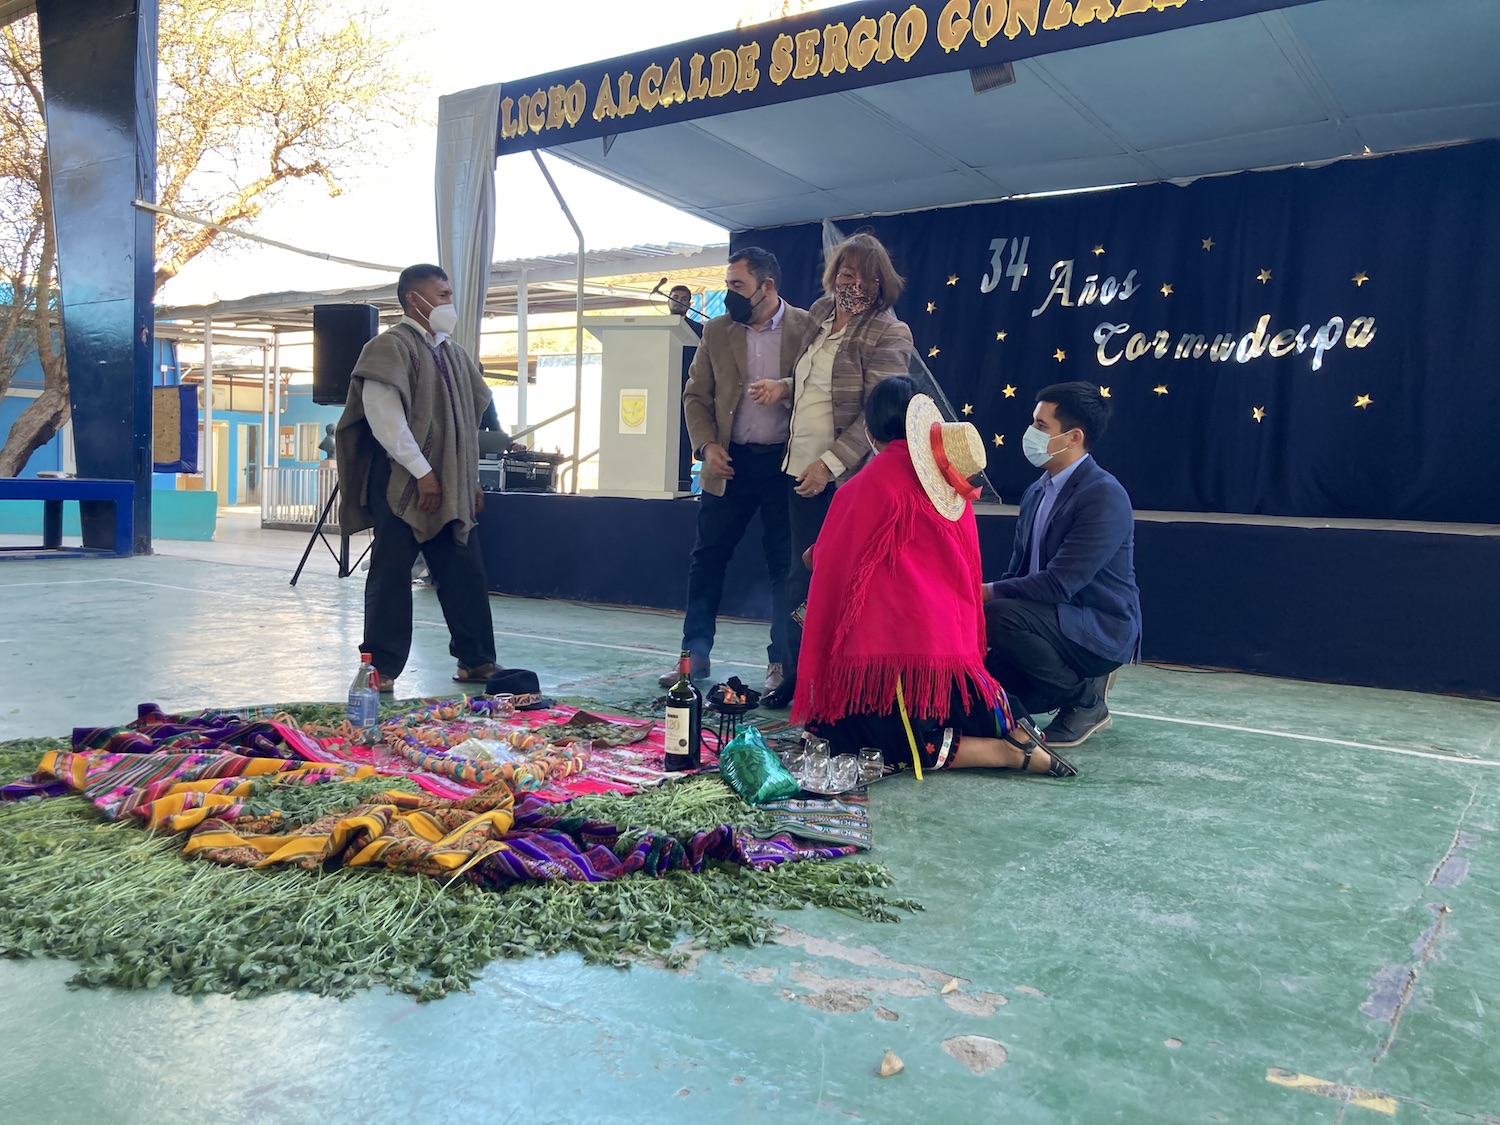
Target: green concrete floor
1235, 887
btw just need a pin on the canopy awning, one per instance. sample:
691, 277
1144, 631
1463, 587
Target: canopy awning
1155, 95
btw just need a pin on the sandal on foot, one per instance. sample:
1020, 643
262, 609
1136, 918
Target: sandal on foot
1059, 766
479, 674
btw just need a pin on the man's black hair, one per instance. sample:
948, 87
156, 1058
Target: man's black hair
1079, 406
412, 276
761, 264
885, 408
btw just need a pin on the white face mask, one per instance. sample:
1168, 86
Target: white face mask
443, 319
1034, 444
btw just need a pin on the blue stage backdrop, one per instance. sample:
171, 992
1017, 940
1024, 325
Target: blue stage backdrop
1307, 342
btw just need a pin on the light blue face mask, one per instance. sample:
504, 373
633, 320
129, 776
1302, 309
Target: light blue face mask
1034, 444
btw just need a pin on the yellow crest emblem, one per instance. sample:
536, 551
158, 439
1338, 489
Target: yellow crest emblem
633, 409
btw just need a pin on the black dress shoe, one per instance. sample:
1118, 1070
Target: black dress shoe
781, 697
1074, 725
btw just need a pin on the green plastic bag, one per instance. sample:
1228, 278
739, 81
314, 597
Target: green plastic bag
753, 771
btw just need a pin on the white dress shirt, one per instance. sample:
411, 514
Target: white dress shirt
387, 417
753, 423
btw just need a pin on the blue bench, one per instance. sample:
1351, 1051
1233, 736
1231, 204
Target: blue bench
52, 493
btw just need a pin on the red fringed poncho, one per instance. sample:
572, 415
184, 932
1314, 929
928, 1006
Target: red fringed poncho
895, 593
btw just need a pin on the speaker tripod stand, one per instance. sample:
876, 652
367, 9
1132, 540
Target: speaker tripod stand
341, 556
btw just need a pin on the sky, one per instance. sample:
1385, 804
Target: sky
386, 212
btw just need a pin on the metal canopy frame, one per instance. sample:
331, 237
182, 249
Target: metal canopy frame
550, 285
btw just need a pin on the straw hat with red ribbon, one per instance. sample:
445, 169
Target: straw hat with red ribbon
945, 455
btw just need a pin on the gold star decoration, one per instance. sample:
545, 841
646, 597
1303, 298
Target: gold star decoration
1263, 277
1258, 413
1166, 290
1098, 250
1363, 401
1159, 389
1104, 392
968, 408
1360, 278
931, 306
1208, 244
953, 279
1000, 336
1009, 391
933, 351
1059, 355
999, 440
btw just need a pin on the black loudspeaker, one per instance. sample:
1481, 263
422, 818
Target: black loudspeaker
340, 333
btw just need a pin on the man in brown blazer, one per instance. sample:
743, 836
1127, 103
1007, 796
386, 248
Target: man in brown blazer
742, 444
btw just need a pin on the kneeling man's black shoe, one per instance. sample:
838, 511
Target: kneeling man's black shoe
780, 697
1074, 725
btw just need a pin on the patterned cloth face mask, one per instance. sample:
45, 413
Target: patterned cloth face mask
852, 298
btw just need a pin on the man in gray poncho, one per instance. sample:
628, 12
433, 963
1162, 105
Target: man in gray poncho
408, 460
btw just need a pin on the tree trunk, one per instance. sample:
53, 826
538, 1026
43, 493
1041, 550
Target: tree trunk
35, 427
49, 412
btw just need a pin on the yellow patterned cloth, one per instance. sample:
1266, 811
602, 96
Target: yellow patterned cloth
409, 832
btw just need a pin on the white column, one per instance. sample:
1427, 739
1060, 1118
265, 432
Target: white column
264, 453
276, 399
523, 348
206, 454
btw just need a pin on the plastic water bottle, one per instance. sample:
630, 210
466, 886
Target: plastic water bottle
364, 697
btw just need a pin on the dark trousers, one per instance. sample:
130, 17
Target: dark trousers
755, 487
1038, 666
458, 570
807, 514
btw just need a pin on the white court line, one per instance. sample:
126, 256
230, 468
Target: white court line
431, 624
138, 582
1310, 738
638, 650
641, 651
59, 582
197, 589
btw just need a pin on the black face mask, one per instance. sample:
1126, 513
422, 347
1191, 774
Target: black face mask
739, 307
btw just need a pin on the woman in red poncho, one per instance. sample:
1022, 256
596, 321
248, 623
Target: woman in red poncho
893, 642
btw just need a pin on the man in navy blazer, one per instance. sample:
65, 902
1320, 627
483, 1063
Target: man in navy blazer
1067, 612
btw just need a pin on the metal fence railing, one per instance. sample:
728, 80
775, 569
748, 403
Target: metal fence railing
295, 497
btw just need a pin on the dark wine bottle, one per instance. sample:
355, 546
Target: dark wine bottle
684, 720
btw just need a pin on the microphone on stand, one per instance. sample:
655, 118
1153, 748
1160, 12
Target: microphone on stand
690, 310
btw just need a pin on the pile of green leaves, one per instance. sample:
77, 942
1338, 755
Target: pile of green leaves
677, 809
300, 803
134, 913
19, 757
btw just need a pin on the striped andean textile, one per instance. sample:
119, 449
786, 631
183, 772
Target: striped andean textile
487, 840
123, 768
192, 786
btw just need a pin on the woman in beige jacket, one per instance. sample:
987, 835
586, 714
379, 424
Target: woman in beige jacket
852, 342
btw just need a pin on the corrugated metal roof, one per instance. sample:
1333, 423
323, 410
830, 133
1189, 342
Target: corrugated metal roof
619, 277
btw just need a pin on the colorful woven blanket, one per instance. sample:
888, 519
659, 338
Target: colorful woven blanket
193, 774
